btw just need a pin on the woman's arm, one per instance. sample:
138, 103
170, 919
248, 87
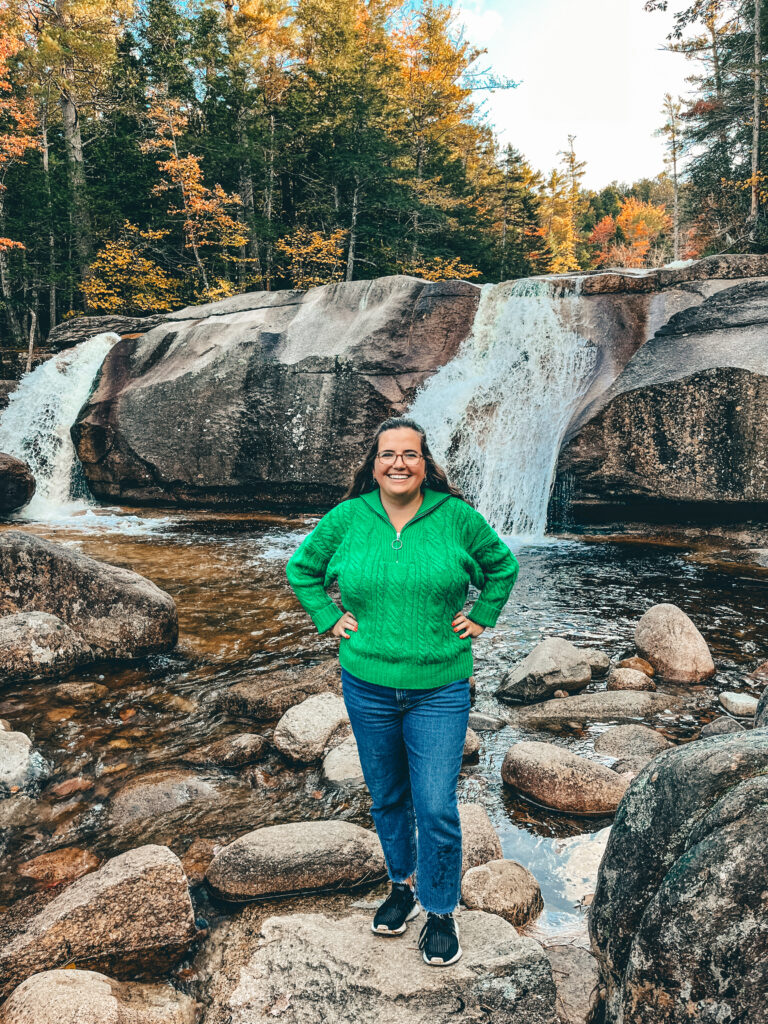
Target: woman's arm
500, 569
307, 566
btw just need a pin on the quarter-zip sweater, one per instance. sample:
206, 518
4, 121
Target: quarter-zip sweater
403, 587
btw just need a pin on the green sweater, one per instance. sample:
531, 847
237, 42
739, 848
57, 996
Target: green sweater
403, 588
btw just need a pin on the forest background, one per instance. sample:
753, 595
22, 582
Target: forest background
156, 153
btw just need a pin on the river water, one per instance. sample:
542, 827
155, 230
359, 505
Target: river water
238, 616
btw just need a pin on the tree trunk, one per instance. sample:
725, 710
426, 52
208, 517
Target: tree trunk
269, 197
81, 218
251, 249
31, 348
353, 232
49, 213
757, 89
5, 288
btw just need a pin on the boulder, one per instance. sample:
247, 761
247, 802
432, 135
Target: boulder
87, 997
720, 726
554, 664
578, 983
639, 664
630, 679
761, 715
304, 731
635, 745
479, 840
586, 708
503, 887
471, 744
80, 693
268, 695
73, 331
258, 368
311, 967
679, 922
342, 764
296, 857
160, 792
133, 913
17, 485
667, 638
556, 778
741, 704
36, 645
228, 752
481, 722
599, 662
680, 430
17, 764
116, 612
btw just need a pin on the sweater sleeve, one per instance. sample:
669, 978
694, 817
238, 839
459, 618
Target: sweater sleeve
306, 568
500, 569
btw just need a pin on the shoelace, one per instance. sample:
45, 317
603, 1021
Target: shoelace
440, 923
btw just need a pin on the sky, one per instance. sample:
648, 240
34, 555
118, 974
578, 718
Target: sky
596, 69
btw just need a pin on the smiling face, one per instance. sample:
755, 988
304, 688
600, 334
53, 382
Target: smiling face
400, 480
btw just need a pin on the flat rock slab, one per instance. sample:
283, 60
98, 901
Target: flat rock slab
295, 857
117, 612
133, 912
268, 695
586, 708
87, 997
308, 968
557, 778
160, 792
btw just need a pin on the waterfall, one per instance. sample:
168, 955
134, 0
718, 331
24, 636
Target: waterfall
495, 415
35, 426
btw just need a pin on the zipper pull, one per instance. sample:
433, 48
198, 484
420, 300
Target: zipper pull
397, 544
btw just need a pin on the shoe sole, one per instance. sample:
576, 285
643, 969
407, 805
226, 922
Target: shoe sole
436, 961
383, 930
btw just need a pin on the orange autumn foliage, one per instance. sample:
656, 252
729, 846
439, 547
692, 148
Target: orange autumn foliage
17, 122
626, 240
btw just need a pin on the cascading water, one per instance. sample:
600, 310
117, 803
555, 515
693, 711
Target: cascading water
35, 426
496, 414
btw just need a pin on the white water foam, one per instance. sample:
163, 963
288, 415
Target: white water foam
495, 416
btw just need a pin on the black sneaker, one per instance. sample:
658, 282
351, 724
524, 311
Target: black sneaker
400, 906
439, 940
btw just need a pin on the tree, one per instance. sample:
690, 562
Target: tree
672, 130
311, 258
125, 279
626, 240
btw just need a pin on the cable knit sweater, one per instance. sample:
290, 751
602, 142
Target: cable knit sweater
404, 588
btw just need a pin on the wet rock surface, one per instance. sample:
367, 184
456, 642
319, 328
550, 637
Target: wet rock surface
37, 645
296, 857
564, 781
88, 997
635, 745
679, 921
311, 967
269, 695
604, 706
629, 679
17, 485
133, 912
577, 981
116, 612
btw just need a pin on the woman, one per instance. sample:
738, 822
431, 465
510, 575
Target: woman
404, 545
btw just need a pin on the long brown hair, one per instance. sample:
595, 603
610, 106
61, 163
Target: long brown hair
436, 479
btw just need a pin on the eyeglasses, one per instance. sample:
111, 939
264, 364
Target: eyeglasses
388, 458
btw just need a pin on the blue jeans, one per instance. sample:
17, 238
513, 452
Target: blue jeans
410, 744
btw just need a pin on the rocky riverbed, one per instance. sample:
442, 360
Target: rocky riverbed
186, 754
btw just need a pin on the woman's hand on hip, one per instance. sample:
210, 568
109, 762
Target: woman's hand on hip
465, 627
347, 621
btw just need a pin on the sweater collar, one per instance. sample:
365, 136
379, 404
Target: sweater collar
431, 499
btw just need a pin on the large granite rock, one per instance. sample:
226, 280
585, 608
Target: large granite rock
265, 373
296, 857
683, 426
679, 921
36, 645
72, 332
134, 912
87, 997
116, 612
303, 968
17, 485
553, 664
305, 731
669, 640
588, 708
